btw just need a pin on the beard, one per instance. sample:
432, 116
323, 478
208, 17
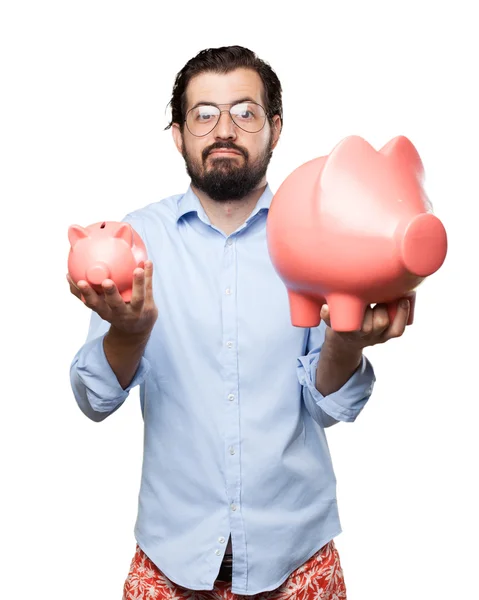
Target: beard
225, 179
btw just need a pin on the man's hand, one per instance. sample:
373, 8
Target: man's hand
136, 317
376, 328
342, 351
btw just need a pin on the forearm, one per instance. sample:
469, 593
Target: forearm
338, 361
123, 352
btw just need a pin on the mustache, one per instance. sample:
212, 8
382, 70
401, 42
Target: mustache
224, 146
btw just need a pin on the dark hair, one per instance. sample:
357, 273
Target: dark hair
224, 60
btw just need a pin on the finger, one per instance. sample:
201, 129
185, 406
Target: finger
397, 327
70, 281
73, 288
149, 281
325, 315
87, 294
75, 291
138, 290
112, 296
367, 325
89, 297
380, 319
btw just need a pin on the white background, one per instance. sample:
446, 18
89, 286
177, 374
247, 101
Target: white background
84, 91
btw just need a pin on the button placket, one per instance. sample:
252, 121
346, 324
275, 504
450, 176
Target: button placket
230, 368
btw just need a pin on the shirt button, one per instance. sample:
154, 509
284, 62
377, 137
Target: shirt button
232, 450
229, 344
217, 552
231, 397
221, 540
233, 507
228, 291
229, 241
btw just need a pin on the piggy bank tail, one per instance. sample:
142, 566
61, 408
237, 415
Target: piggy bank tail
423, 244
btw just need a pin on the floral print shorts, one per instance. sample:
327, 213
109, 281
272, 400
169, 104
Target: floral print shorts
320, 578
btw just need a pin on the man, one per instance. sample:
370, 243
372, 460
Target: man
238, 492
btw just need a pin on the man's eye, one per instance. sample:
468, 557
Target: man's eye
205, 113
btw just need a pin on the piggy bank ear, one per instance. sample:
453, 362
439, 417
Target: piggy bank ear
404, 156
124, 232
351, 163
75, 233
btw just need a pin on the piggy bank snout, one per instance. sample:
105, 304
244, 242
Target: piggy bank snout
97, 273
423, 245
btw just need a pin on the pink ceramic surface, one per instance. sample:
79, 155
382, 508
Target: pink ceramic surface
353, 229
106, 250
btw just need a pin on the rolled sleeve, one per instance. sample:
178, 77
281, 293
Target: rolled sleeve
103, 390
346, 403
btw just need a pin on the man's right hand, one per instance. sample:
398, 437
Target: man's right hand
136, 317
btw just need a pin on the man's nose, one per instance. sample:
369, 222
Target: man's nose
225, 128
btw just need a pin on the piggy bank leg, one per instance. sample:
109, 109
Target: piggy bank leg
346, 312
305, 310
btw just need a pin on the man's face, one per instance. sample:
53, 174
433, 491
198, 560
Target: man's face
228, 162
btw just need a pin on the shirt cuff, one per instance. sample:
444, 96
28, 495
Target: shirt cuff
103, 389
346, 403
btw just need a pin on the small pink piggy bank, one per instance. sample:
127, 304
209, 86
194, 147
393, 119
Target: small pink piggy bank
352, 229
106, 250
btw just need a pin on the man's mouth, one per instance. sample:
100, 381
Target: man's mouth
224, 152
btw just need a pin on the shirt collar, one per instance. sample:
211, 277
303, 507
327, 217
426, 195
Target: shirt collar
190, 203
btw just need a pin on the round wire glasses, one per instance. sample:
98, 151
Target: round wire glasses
203, 118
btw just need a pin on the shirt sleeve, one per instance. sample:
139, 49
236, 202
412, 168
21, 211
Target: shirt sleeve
95, 386
346, 403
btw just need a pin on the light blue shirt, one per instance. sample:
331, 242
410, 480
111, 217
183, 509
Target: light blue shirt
234, 428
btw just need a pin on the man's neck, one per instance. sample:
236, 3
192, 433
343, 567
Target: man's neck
228, 215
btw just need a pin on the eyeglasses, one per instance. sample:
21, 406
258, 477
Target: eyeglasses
248, 116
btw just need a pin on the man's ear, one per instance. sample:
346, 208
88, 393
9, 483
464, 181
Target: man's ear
177, 137
276, 127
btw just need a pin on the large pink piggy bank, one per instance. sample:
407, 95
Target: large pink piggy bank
106, 250
352, 229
